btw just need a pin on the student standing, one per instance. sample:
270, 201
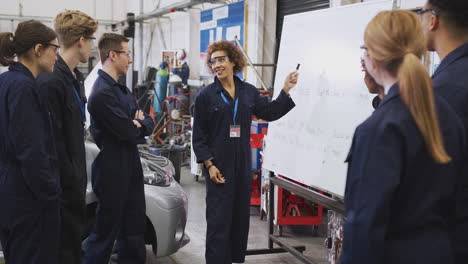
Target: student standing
403, 168
221, 140
63, 90
117, 125
29, 180
445, 24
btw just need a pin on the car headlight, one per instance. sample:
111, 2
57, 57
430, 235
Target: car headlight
158, 171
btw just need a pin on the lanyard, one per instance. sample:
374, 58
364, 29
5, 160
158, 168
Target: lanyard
82, 106
235, 106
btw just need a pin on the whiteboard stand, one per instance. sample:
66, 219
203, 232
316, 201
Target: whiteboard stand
301, 191
284, 247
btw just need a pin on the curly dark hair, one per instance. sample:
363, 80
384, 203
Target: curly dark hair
455, 12
232, 51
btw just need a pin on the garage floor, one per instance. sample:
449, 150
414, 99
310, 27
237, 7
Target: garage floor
193, 253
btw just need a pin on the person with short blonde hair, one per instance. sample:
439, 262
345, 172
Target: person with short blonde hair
404, 159
63, 91
72, 25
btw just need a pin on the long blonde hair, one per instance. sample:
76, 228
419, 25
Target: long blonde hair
395, 40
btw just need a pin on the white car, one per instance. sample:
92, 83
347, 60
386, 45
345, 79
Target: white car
166, 203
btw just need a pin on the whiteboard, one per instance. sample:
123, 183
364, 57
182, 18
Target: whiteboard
310, 143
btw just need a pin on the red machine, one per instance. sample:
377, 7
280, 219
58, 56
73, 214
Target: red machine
294, 210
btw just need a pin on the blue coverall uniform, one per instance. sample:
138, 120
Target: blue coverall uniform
227, 205
451, 83
29, 179
117, 175
400, 203
65, 96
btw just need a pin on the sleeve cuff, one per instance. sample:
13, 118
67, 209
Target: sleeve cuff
203, 158
287, 98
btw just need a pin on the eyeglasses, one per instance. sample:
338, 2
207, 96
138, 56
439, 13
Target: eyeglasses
56, 47
220, 60
93, 39
425, 10
128, 53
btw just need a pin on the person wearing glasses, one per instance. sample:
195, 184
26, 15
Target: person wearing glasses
29, 177
117, 125
445, 24
63, 90
221, 141
404, 159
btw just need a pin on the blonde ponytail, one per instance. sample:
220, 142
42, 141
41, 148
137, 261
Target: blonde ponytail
417, 93
396, 41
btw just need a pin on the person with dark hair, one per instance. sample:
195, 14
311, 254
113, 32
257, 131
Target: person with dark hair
29, 180
373, 86
221, 141
445, 24
117, 125
404, 159
63, 90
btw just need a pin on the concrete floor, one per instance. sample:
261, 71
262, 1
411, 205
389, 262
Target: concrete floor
193, 253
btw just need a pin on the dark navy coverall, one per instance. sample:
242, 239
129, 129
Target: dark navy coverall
65, 96
451, 83
400, 203
227, 205
29, 180
117, 175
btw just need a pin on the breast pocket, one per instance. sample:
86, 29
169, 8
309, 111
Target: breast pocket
247, 109
216, 112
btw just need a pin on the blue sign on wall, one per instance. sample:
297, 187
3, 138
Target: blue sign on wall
221, 23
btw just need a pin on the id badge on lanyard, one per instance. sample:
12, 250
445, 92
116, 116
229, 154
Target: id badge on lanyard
234, 130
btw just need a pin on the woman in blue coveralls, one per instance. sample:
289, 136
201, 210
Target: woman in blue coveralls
221, 140
404, 159
29, 182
